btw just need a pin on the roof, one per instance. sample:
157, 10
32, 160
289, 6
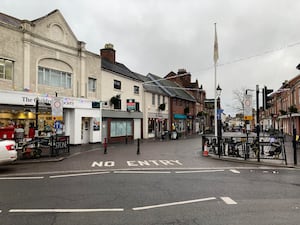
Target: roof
171, 88
152, 87
10, 20
120, 69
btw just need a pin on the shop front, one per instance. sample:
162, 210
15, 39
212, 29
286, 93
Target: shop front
157, 125
30, 115
121, 126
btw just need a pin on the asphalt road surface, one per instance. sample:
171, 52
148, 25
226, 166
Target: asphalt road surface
215, 196
169, 183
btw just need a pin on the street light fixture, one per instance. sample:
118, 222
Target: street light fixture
217, 95
219, 90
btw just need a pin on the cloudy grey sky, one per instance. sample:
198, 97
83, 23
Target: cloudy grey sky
259, 40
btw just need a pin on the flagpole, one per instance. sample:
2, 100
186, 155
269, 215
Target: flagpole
216, 57
215, 98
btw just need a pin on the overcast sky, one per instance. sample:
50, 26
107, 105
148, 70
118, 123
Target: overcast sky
259, 40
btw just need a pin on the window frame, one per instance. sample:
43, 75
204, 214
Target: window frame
6, 64
54, 78
117, 84
92, 84
136, 89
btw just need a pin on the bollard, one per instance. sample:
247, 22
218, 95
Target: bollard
138, 147
105, 146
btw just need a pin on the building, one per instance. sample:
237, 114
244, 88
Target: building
181, 107
122, 96
183, 78
283, 113
42, 59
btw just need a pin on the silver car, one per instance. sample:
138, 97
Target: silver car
8, 152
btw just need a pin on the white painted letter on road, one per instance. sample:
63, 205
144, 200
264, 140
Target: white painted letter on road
103, 164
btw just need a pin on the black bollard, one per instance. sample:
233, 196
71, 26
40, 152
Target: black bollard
105, 146
138, 147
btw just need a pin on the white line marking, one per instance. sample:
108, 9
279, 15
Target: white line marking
20, 178
228, 201
142, 172
63, 210
77, 174
200, 171
0, 211
235, 171
173, 203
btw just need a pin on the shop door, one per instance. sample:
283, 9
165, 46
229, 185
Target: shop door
85, 130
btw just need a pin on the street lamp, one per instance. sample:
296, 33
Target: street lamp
218, 122
217, 95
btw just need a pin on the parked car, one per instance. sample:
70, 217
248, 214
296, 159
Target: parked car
8, 153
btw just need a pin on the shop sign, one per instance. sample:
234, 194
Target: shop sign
130, 105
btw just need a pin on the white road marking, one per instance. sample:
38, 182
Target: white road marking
142, 172
235, 171
77, 175
63, 210
20, 178
0, 211
199, 171
173, 203
228, 201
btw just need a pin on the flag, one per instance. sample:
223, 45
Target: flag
216, 51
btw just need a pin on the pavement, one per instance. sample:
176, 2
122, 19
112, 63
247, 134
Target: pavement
115, 150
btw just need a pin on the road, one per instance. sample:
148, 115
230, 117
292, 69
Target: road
167, 184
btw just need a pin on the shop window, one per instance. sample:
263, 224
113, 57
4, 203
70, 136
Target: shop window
6, 69
120, 128
151, 126
117, 84
92, 84
54, 78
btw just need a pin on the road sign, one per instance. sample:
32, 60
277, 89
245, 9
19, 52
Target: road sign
248, 107
248, 117
57, 108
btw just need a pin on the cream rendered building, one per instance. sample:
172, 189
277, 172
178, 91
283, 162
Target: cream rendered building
41, 59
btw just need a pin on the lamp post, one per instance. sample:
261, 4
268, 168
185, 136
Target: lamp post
218, 121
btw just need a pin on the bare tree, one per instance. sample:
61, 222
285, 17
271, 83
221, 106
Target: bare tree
238, 100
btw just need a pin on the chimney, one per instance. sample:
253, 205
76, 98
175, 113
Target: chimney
185, 79
108, 53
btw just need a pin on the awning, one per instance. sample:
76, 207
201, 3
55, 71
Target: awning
180, 116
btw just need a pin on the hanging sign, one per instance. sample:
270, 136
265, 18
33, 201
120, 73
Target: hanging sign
57, 108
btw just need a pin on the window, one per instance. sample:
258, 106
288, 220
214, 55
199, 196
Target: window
136, 89
153, 99
6, 69
117, 84
158, 99
164, 99
92, 84
54, 78
137, 106
120, 128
